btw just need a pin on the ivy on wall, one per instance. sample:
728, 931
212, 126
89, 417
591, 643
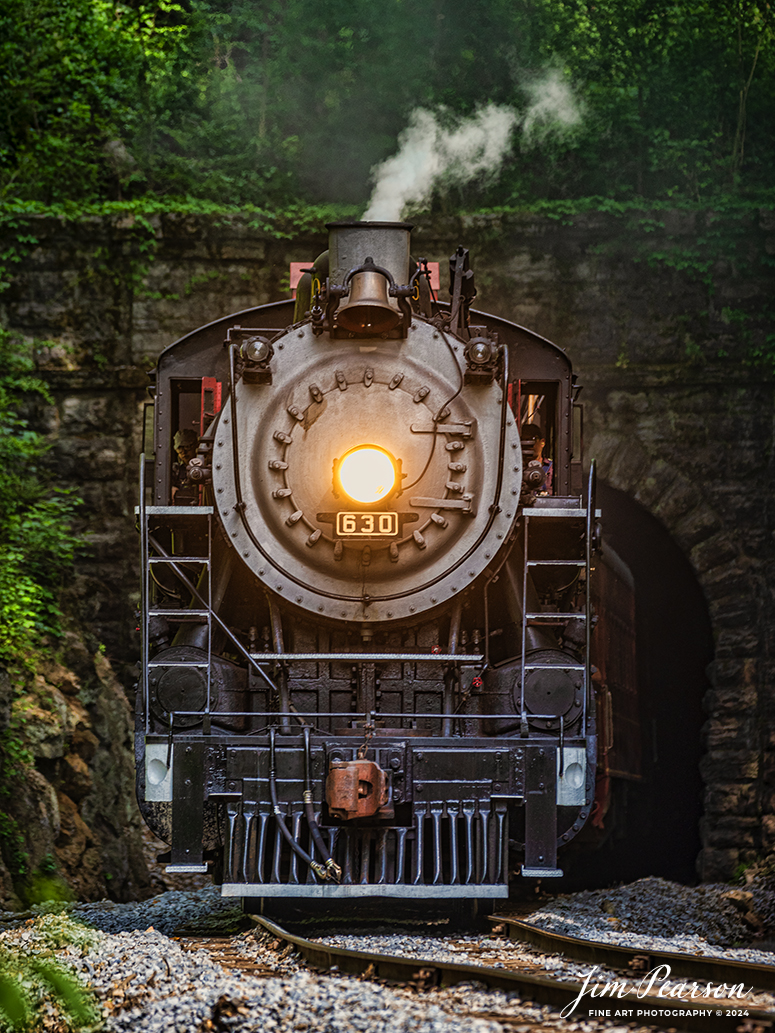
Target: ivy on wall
37, 545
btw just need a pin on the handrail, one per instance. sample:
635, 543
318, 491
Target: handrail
589, 528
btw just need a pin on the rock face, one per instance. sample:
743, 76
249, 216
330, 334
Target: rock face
662, 316
70, 823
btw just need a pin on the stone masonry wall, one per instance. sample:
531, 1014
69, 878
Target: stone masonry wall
677, 416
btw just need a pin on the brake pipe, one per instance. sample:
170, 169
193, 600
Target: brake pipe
317, 868
332, 868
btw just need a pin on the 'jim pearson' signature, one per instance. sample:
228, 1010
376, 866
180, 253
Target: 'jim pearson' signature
657, 981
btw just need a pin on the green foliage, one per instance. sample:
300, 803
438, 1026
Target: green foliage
45, 887
56, 929
12, 841
256, 104
28, 981
74, 74
36, 543
13, 1002
16, 757
678, 95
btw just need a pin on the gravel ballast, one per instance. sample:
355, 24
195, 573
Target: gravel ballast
655, 914
144, 979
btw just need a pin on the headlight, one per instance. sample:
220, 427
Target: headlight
367, 474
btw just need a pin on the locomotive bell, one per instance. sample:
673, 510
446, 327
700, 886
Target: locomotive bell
367, 310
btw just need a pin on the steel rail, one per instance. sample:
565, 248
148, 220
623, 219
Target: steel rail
717, 970
431, 973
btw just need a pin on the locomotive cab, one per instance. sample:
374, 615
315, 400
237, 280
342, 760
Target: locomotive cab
366, 612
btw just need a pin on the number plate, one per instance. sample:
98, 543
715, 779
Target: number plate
367, 525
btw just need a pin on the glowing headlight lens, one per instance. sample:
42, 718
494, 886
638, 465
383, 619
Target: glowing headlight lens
367, 474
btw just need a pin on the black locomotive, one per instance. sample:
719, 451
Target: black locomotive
366, 596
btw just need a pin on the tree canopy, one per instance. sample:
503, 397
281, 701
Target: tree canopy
252, 102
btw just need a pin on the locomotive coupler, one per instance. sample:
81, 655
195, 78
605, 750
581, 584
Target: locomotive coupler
358, 789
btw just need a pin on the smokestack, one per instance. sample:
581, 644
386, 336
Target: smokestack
351, 245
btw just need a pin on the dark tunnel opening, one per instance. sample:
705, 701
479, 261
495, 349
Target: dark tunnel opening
655, 827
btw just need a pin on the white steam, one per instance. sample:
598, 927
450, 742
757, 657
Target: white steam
427, 152
472, 149
553, 108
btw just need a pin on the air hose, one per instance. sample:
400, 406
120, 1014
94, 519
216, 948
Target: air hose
332, 868
317, 868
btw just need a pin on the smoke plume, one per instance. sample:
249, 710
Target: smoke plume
473, 148
553, 108
428, 152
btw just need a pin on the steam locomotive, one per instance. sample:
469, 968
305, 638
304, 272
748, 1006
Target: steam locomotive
367, 592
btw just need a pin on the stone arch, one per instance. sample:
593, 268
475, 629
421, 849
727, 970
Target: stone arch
685, 491
659, 833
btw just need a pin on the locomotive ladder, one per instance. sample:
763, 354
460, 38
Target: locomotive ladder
540, 807
172, 517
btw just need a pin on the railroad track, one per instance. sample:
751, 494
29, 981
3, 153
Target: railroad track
634, 959
223, 950
720, 1015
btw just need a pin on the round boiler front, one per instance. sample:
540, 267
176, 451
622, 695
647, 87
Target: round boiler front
442, 508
